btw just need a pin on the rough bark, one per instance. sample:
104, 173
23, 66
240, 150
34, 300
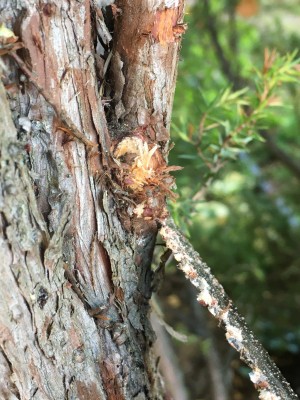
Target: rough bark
76, 283
265, 374
217, 369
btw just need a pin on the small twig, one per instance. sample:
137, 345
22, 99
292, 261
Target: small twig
157, 311
168, 362
159, 272
211, 28
106, 64
163, 260
265, 374
71, 278
201, 128
233, 34
286, 159
62, 114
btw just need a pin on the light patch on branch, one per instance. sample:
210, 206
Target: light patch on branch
143, 180
265, 375
143, 164
267, 395
155, 4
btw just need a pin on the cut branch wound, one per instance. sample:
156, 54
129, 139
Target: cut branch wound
142, 172
265, 375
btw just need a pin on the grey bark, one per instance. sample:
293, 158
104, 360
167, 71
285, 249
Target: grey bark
86, 333
265, 374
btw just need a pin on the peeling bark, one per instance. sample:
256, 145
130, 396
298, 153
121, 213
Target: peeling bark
84, 333
76, 279
144, 64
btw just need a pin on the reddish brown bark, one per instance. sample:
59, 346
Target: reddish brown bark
84, 333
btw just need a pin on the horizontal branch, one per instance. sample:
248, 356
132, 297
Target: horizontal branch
291, 163
265, 374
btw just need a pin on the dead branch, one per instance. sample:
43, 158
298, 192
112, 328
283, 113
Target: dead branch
265, 374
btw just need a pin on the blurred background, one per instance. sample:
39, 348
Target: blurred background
236, 129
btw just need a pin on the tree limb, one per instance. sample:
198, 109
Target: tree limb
217, 368
265, 374
281, 155
213, 32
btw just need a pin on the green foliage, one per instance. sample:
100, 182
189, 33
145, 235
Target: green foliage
232, 119
238, 202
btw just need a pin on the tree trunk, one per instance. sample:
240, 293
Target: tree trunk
75, 250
